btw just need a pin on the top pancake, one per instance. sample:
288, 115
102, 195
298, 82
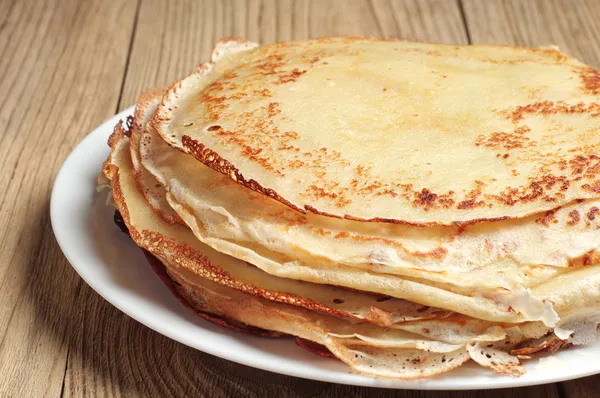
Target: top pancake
394, 131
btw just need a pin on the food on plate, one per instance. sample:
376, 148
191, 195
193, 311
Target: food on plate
404, 207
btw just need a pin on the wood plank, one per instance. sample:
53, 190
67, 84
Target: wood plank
588, 387
570, 25
61, 70
114, 355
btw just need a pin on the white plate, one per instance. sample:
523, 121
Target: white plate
114, 267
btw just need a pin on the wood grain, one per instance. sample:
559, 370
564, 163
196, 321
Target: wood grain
61, 70
571, 25
67, 65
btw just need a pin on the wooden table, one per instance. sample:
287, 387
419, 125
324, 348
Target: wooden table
68, 65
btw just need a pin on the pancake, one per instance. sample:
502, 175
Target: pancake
145, 182
507, 257
404, 363
163, 239
153, 150
393, 131
161, 271
364, 346
387, 219
491, 258
181, 160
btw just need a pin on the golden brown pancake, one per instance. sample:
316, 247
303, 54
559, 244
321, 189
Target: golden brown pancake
393, 131
352, 193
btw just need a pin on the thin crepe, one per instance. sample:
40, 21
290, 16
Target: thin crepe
175, 241
393, 131
497, 260
145, 182
519, 267
389, 352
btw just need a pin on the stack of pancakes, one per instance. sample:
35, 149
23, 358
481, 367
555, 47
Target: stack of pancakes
404, 207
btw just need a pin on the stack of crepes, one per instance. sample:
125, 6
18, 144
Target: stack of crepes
404, 207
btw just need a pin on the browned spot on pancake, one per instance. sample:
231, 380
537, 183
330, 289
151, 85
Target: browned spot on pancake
270, 63
274, 109
360, 169
591, 257
322, 232
418, 360
329, 190
592, 213
548, 108
472, 197
587, 165
590, 79
340, 235
547, 218
546, 188
429, 200
594, 187
290, 76
470, 204
438, 253
262, 93
389, 192
318, 192
425, 198
573, 218
290, 217
296, 164
258, 138
216, 95
253, 154
250, 152
502, 140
